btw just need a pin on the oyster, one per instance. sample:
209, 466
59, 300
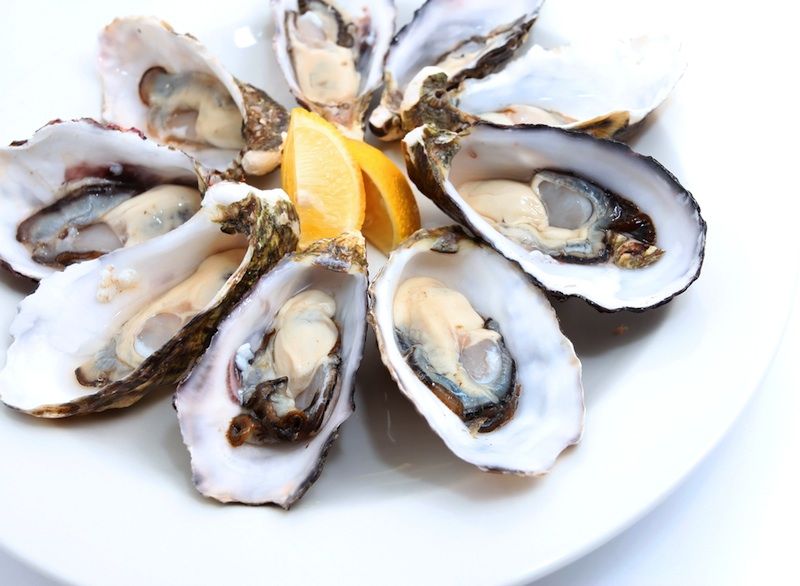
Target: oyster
604, 89
79, 189
584, 217
168, 85
502, 387
264, 403
332, 53
104, 332
463, 39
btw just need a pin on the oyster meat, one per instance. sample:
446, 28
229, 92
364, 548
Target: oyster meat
79, 189
460, 355
332, 53
502, 387
583, 216
261, 408
167, 85
463, 39
104, 332
566, 217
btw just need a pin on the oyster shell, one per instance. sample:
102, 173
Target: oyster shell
167, 85
582, 216
332, 52
604, 89
104, 332
464, 39
79, 189
263, 405
502, 387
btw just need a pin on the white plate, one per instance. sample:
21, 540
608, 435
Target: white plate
108, 499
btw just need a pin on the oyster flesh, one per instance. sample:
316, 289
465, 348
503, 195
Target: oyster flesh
463, 39
79, 189
167, 85
263, 405
332, 53
477, 349
106, 331
583, 216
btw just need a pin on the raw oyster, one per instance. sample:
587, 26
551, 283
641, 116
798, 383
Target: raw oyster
106, 331
332, 53
583, 216
167, 85
604, 89
79, 189
477, 349
264, 403
463, 39
457, 353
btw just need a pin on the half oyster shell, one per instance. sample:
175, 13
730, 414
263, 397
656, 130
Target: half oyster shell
79, 189
332, 53
464, 39
265, 402
106, 331
170, 87
582, 216
504, 393
604, 89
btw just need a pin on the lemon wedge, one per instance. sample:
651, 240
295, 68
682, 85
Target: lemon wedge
322, 178
391, 210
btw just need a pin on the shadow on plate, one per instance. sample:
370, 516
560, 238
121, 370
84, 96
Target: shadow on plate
594, 333
607, 343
